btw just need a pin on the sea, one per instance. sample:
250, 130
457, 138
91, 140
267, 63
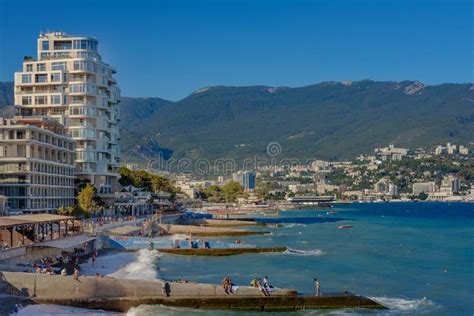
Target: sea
416, 258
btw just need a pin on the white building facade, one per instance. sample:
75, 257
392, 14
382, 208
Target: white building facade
36, 165
69, 82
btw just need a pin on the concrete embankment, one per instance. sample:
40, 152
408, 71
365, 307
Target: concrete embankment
207, 231
222, 251
219, 222
121, 294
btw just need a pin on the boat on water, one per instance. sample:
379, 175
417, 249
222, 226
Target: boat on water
331, 213
345, 226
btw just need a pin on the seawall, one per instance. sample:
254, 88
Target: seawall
207, 231
121, 294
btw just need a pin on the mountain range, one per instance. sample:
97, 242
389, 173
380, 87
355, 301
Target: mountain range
329, 120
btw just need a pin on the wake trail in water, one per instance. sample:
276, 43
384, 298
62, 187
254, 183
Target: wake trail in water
298, 252
294, 225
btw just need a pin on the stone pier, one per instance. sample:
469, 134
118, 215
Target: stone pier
115, 294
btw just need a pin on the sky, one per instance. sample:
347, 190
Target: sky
169, 49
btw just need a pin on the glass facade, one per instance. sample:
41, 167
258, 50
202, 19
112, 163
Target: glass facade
85, 44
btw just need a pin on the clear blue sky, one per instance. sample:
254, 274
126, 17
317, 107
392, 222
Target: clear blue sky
171, 48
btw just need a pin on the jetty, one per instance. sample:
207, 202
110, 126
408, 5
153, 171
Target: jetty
220, 222
119, 295
221, 251
183, 247
169, 229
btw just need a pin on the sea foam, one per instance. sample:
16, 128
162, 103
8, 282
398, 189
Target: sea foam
143, 268
309, 252
406, 306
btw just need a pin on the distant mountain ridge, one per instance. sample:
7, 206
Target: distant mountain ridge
329, 120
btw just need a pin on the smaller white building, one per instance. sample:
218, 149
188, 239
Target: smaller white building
423, 187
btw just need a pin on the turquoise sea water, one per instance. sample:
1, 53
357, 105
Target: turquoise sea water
417, 258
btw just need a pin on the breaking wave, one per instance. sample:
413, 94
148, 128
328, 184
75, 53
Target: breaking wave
407, 306
143, 268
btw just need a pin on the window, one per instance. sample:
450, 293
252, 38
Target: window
58, 111
62, 45
55, 77
26, 101
40, 67
83, 65
59, 65
41, 100
45, 45
25, 78
55, 99
81, 88
29, 67
41, 78
65, 77
65, 100
77, 99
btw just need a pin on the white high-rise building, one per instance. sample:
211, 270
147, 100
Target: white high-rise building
68, 81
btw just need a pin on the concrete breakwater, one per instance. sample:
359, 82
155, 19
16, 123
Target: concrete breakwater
207, 231
220, 252
121, 294
219, 222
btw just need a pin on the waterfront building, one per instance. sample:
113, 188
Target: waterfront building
302, 188
246, 179
385, 186
450, 184
423, 187
69, 82
36, 165
325, 188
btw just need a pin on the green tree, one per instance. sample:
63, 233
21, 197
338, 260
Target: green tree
125, 176
86, 199
65, 210
161, 184
231, 191
423, 196
213, 194
141, 179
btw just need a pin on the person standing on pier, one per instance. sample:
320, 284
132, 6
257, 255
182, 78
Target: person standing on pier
76, 274
317, 286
